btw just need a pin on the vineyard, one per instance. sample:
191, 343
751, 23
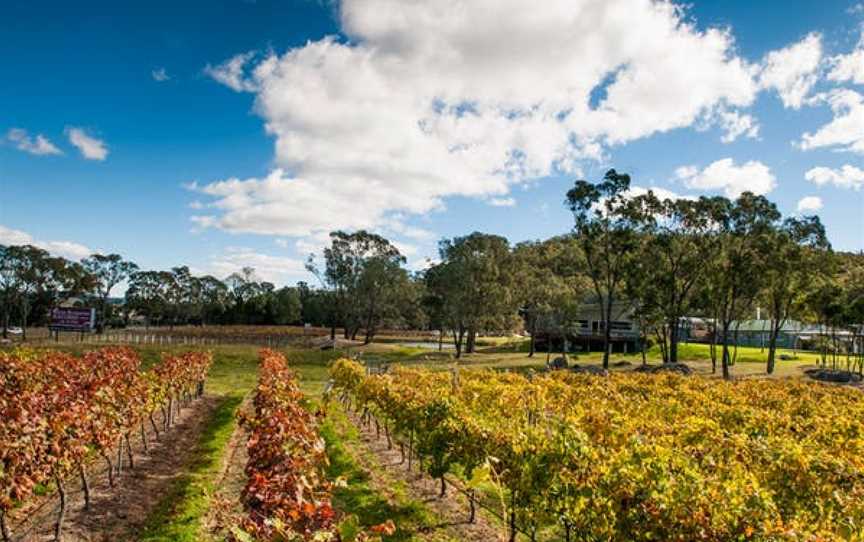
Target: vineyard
287, 496
629, 456
483, 454
60, 412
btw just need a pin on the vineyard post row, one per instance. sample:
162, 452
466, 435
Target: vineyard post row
59, 410
134, 338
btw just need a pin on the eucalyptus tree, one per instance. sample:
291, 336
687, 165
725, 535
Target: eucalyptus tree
26, 271
284, 306
381, 289
794, 253
147, 295
212, 298
675, 235
362, 271
8, 286
736, 269
608, 240
475, 284
548, 280
109, 271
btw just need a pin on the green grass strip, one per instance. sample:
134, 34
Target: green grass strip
179, 515
359, 498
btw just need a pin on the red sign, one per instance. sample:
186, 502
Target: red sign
73, 319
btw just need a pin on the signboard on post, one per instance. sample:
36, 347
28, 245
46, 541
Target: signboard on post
72, 319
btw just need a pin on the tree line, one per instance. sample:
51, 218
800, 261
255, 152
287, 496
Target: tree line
662, 259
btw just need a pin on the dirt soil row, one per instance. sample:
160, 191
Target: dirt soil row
119, 513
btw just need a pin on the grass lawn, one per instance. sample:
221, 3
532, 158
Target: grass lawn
511, 354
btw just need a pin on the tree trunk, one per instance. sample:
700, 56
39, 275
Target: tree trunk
4, 529
673, 340
85, 485
725, 357
61, 514
110, 467
533, 331
129, 451
470, 342
457, 338
772, 346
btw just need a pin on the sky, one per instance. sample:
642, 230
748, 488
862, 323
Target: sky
234, 133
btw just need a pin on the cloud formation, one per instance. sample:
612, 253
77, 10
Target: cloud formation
847, 176
160, 75
276, 269
231, 73
809, 204
40, 145
845, 132
849, 67
67, 249
732, 179
794, 70
91, 148
427, 102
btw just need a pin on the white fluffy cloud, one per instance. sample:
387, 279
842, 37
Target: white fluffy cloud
845, 132
732, 179
231, 72
792, 71
276, 269
847, 176
809, 204
160, 75
736, 124
849, 67
67, 249
40, 145
431, 100
91, 148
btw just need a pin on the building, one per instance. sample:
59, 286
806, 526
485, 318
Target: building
586, 332
793, 335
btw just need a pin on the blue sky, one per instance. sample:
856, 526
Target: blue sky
223, 134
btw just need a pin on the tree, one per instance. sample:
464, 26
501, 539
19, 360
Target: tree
147, 295
737, 268
475, 285
362, 271
109, 271
548, 277
213, 298
285, 306
674, 235
793, 252
607, 239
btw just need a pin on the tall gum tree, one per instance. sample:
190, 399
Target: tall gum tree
608, 240
674, 235
737, 268
109, 270
795, 250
